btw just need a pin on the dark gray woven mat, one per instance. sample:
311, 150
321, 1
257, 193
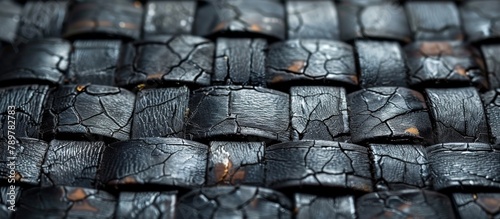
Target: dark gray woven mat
250, 109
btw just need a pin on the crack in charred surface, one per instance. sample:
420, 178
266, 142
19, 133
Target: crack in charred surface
389, 114
469, 126
88, 111
318, 163
154, 161
434, 20
405, 204
464, 165
314, 60
319, 113
398, 167
242, 201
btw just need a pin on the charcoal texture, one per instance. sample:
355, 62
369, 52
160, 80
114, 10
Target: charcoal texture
240, 61
455, 166
477, 205
165, 162
160, 112
303, 20
404, 204
152, 205
399, 167
311, 60
108, 19
89, 112
444, 63
321, 164
71, 163
41, 19
492, 61
243, 109
434, 20
228, 112
26, 161
257, 17
311, 206
236, 163
10, 13
21, 110
458, 115
381, 64
319, 113
491, 101
94, 61
66, 202
8, 200
383, 20
389, 114
481, 20
169, 17
167, 59
234, 202
43, 61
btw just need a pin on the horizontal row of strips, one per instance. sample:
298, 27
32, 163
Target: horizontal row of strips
249, 202
315, 167
347, 20
196, 62
229, 113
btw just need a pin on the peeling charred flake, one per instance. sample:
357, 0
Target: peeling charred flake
477, 205
458, 115
257, 18
94, 61
29, 155
162, 162
481, 20
492, 61
319, 113
399, 167
41, 20
318, 61
170, 17
434, 20
240, 61
444, 63
89, 112
10, 13
146, 205
42, 61
404, 204
235, 112
234, 202
235, 163
311, 206
160, 112
110, 19
381, 64
303, 20
29, 103
318, 166
71, 163
455, 166
66, 202
373, 19
389, 114
491, 102
158, 60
